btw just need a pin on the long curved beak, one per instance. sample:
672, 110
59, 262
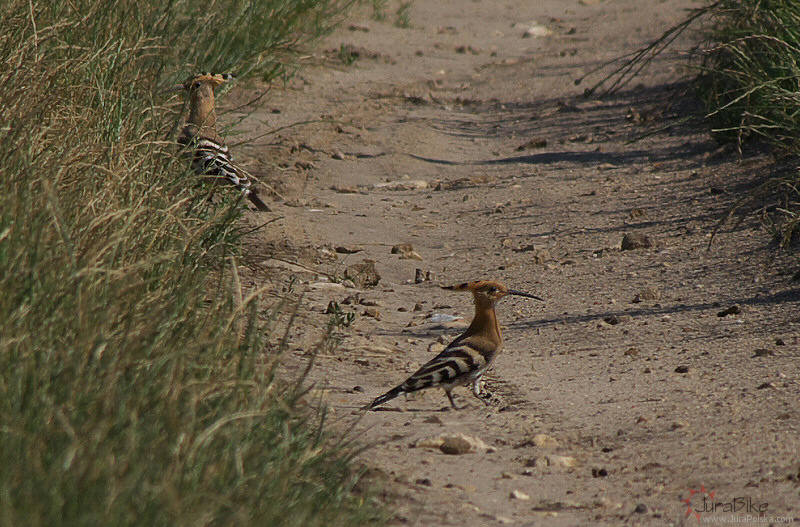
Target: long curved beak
527, 295
173, 88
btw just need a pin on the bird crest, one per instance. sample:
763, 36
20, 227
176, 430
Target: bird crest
487, 289
478, 286
209, 79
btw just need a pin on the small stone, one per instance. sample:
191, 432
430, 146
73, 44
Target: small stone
348, 249
402, 248
647, 294
641, 420
339, 156
413, 255
544, 441
682, 369
562, 461
347, 190
518, 495
421, 276
436, 347
508, 475
461, 444
417, 307
431, 442
779, 342
766, 385
507, 243
631, 352
368, 479
612, 320
424, 482
536, 31
608, 504
733, 310
455, 444
640, 509
357, 389
326, 286
363, 274
637, 213
372, 312
537, 462
433, 419
599, 472
525, 248
533, 143
465, 49
678, 425
404, 184
349, 299
540, 256
438, 318
636, 241
764, 352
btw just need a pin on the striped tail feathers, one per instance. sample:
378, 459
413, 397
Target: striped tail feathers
459, 364
212, 158
255, 200
388, 396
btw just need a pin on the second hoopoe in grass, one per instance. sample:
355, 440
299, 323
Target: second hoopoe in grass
466, 358
210, 156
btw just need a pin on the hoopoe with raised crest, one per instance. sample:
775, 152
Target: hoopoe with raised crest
466, 359
202, 143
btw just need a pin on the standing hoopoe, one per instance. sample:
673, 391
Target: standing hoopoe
467, 357
203, 144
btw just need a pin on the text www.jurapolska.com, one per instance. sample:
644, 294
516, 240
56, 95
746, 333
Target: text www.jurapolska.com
747, 519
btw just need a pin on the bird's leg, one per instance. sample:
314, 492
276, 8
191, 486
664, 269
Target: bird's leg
479, 393
452, 402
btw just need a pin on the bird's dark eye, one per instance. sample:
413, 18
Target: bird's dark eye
196, 85
492, 289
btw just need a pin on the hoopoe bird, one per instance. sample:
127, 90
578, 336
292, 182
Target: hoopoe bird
202, 143
466, 359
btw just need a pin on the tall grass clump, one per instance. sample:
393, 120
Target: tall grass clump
751, 70
750, 84
134, 389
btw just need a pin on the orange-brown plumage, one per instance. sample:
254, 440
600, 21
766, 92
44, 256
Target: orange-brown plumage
466, 359
203, 144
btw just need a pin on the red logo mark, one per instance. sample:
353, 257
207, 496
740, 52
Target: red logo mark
688, 501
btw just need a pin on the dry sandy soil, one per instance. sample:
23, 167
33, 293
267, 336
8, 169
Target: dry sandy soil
500, 169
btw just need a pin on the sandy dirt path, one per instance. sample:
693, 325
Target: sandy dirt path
610, 408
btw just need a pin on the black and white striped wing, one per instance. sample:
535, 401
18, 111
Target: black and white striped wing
213, 159
459, 364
